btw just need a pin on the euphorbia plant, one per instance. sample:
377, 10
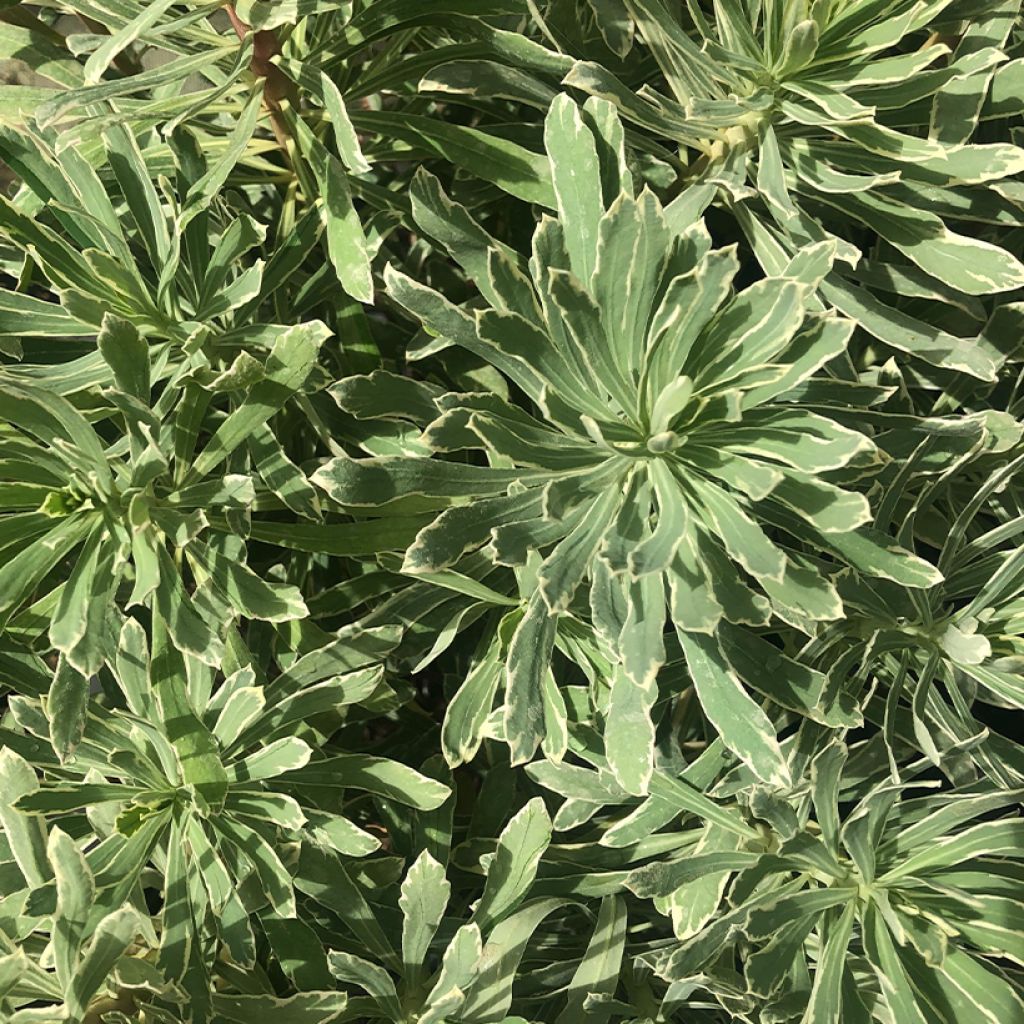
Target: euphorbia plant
668, 425
511, 513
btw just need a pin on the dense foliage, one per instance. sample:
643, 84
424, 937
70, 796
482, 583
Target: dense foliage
512, 512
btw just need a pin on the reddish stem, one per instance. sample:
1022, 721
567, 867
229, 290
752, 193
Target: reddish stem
276, 84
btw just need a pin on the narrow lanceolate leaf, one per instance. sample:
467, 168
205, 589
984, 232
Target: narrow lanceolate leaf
76, 891
683, 797
969, 264
629, 732
334, 832
576, 178
118, 41
598, 972
284, 755
371, 977
191, 633
25, 833
368, 483
744, 727
387, 778
112, 937
564, 569
194, 746
70, 620
175, 914
247, 593
490, 994
826, 1002
66, 707
344, 134
992, 838
510, 874
871, 552
424, 896
220, 167
346, 242
24, 570
239, 711
322, 876
528, 660
281, 474
459, 966
464, 719
301, 1008
127, 355
896, 986
513, 168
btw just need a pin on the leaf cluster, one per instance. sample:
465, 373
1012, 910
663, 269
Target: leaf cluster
511, 513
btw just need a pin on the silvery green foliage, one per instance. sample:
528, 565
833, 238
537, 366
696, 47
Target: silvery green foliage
803, 121
511, 513
672, 425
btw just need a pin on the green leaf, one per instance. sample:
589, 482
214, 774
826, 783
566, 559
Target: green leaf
991, 838
247, 594
239, 711
190, 633
424, 895
299, 952
284, 755
564, 569
139, 190
510, 874
25, 833
368, 976
334, 832
112, 937
202, 191
372, 482
119, 41
971, 265
291, 359
528, 660
614, 24
346, 242
344, 134
66, 708
378, 775
873, 553
301, 1008
598, 972
176, 912
629, 732
194, 745
42, 48
466, 714
576, 179
489, 995
459, 966
745, 729
76, 892
127, 355
826, 1003
511, 167
892, 978
661, 879
322, 876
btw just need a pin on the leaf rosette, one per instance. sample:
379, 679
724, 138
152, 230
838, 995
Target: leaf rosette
671, 450
125, 498
862, 122
208, 779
